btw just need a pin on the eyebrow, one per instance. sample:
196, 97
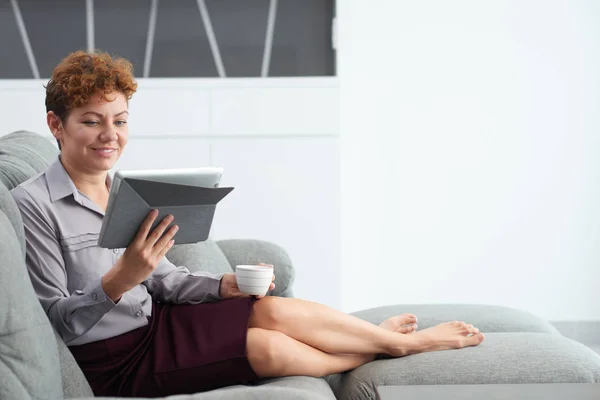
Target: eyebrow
101, 116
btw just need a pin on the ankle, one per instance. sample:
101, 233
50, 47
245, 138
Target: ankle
405, 345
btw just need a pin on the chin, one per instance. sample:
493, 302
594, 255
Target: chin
105, 165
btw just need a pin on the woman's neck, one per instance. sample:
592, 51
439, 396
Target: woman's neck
93, 185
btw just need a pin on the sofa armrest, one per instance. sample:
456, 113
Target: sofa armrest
249, 251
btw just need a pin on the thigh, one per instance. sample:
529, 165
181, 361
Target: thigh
271, 311
274, 354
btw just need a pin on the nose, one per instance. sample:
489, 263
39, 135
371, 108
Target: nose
109, 134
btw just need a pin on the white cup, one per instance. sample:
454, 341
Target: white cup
254, 279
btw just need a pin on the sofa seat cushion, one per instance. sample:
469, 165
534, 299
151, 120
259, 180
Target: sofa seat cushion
485, 317
519, 357
289, 388
293, 387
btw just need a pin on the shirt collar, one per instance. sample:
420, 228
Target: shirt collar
60, 184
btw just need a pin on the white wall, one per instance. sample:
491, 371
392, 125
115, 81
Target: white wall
469, 147
277, 140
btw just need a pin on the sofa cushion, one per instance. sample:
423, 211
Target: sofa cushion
73, 381
518, 357
250, 251
28, 354
14, 170
293, 387
39, 151
10, 209
22, 155
485, 317
203, 256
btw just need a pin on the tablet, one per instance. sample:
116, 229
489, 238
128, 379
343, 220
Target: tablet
203, 177
189, 194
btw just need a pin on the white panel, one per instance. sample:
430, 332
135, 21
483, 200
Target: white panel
165, 153
275, 111
281, 197
23, 109
200, 107
169, 110
482, 118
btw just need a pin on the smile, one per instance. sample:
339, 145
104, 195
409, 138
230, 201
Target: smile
105, 151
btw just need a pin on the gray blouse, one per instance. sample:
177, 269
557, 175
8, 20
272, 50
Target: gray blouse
66, 265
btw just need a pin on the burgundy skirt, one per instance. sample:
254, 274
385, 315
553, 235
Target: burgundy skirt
184, 349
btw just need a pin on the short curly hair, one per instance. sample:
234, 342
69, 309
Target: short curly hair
81, 74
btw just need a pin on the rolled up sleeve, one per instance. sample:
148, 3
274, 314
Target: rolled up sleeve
177, 285
72, 314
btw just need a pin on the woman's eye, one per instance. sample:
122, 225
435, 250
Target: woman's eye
120, 123
90, 123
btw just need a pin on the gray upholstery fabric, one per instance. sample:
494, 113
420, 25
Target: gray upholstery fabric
518, 357
290, 388
14, 170
203, 256
295, 387
74, 383
28, 360
9, 207
22, 155
38, 150
485, 317
242, 251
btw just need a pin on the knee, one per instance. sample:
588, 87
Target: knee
270, 312
266, 352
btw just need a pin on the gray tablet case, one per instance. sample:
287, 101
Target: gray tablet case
193, 208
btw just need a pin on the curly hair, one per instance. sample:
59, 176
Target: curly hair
81, 74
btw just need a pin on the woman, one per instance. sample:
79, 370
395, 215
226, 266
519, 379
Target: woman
140, 326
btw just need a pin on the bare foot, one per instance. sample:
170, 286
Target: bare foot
446, 336
403, 323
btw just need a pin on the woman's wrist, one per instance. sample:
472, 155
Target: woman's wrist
112, 286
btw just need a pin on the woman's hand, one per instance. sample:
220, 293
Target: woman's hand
229, 288
141, 257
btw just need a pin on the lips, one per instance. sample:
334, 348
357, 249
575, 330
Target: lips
104, 151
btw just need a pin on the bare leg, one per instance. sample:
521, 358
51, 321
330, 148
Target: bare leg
332, 331
273, 354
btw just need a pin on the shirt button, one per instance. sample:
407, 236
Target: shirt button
138, 313
94, 296
116, 251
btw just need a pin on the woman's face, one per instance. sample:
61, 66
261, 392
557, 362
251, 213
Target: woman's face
94, 135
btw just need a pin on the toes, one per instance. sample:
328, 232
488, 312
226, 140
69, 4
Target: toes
475, 339
408, 318
472, 330
407, 328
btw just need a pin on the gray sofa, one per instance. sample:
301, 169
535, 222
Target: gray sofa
36, 364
